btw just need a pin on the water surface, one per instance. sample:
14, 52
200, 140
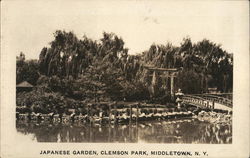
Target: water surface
175, 131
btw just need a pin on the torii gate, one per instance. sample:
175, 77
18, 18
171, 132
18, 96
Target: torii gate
171, 72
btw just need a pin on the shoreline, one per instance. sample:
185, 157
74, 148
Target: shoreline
212, 117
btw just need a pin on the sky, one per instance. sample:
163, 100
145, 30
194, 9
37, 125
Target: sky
28, 26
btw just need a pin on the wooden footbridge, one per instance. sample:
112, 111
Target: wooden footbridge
222, 101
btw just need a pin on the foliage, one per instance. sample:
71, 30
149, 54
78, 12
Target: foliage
26, 70
84, 70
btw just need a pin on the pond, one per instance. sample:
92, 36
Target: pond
168, 131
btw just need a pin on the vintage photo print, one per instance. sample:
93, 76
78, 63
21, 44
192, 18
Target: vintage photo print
124, 78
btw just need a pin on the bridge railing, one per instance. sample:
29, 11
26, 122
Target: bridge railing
212, 98
218, 99
196, 100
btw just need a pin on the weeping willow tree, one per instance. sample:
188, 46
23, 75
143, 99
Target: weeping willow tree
74, 70
104, 69
209, 62
204, 64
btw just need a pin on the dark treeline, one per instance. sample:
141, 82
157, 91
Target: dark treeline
75, 69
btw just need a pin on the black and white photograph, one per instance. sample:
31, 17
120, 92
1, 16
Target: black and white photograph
137, 72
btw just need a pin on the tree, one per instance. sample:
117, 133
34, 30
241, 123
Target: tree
96, 70
189, 82
26, 70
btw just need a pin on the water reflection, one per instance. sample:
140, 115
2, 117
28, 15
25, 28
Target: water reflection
177, 131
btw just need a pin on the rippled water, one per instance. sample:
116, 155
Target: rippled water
175, 131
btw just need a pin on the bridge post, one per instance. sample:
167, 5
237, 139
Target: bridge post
130, 113
101, 114
115, 107
172, 86
110, 113
137, 112
89, 113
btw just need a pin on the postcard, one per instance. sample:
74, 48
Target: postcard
124, 78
